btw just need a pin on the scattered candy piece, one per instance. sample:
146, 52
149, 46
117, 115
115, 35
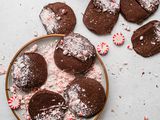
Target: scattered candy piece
103, 48
129, 47
118, 39
14, 103
2, 70
146, 118
33, 48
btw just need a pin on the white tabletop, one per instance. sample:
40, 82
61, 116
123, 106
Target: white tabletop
131, 96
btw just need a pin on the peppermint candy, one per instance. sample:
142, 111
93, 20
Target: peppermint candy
103, 48
14, 102
118, 39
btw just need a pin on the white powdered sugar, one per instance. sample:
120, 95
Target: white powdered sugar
21, 70
49, 20
107, 5
149, 4
77, 46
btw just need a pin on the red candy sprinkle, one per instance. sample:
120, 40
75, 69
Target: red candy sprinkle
14, 102
103, 48
118, 39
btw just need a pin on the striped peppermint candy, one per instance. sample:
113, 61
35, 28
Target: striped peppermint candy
103, 48
14, 102
118, 39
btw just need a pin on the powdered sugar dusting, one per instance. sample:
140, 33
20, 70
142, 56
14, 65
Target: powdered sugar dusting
78, 46
49, 20
107, 5
149, 4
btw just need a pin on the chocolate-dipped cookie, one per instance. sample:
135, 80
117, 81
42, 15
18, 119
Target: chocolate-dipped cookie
74, 53
47, 105
58, 18
146, 39
101, 16
29, 71
86, 97
137, 11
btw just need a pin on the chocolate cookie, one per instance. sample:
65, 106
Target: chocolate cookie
58, 18
74, 53
101, 16
137, 11
29, 71
146, 39
47, 105
86, 97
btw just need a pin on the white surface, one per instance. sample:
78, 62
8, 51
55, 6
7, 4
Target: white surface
19, 22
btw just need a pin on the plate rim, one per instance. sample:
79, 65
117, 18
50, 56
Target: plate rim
38, 39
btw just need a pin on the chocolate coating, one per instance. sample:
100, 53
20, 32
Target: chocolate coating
58, 18
47, 105
98, 19
86, 97
29, 71
146, 39
134, 12
74, 54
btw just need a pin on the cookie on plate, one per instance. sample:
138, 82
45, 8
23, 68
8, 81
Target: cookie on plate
74, 54
146, 39
85, 96
137, 11
47, 105
58, 18
101, 16
29, 71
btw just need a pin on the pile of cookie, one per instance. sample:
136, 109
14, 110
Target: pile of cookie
101, 16
83, 96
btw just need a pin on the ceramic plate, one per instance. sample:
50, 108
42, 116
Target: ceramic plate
42, 45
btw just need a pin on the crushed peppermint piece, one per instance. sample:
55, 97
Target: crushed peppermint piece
78, 46
14, 102
149, 4
50, 20
141, 38
33, 48
2, 70
118, 39
103, 48
146, 118
106, 5
129, 47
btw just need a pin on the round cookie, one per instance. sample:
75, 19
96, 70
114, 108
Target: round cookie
58, 18
47, 105
101, 16
74, 53
29, 71
135, 10
85, 96
146, 39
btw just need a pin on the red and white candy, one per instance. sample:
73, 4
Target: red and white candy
14, 102
118, 39
103, 48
